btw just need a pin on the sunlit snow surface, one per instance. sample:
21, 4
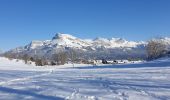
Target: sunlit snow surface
144, 81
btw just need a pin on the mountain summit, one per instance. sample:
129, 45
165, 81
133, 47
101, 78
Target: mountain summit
63, 36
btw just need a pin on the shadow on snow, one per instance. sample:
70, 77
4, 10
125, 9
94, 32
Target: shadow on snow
139, 65
28, 93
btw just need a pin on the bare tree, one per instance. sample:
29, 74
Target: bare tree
155, 49
55, 58
44, 61
10, 56
73, 56
26, 58
63, 57
60, 58
38, 62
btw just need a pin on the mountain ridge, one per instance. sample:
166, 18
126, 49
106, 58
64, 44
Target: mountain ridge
71, 41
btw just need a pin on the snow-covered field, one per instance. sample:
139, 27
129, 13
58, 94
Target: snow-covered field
142, 81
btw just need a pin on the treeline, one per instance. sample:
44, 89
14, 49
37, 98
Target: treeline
59, 58
157, 48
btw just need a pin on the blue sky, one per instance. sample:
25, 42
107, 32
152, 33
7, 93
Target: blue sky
24, 20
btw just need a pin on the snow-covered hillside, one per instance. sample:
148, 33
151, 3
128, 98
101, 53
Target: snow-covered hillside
67, 40
143, 81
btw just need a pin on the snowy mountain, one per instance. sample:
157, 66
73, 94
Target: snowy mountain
99, 47
66, 40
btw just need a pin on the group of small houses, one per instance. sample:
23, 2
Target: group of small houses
104, 61
98, 62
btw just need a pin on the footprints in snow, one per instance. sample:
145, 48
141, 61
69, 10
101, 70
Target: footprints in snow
77, 96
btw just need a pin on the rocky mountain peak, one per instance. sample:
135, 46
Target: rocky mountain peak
63, 36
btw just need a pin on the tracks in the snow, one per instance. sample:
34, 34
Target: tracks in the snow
108, 86
23, 79
134, 88
75, 95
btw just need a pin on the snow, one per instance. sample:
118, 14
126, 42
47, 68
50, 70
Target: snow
67, 40
141, 81
20, 65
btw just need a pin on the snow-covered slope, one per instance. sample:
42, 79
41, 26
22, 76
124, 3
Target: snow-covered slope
143, 81
67, 40
115, 42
